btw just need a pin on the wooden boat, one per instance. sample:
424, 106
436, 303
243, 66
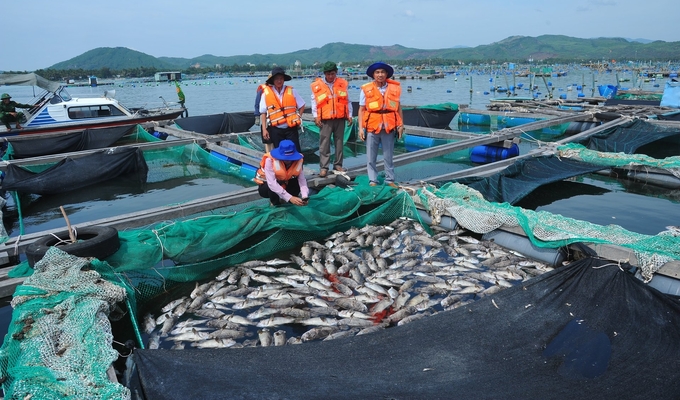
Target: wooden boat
55, 110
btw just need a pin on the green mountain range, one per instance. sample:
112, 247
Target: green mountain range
550, 48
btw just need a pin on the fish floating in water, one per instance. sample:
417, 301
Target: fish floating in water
356, 282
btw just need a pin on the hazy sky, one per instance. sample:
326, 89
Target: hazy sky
55, 31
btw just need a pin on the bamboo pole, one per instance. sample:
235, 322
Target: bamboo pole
71, 235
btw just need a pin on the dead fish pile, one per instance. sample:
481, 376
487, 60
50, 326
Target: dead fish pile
355, 282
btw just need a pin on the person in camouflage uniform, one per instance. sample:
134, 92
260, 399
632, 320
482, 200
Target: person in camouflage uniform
8, 112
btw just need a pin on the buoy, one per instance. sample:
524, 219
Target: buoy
523, 245
663, 284
445, 222
664, 180
487, 153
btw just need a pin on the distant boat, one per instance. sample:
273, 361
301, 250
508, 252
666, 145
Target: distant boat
54, 110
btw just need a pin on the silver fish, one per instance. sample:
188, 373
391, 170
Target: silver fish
411, 318
191, 336
353, 314
148, 324
209, 313
248, 303
253, 263
171, 306
372, 329
324, 311
294, 340
261, 313
355, 322
214, 343
238, 319
295, 312
381, 306
279, 338
318, 333
265, 337
224, 274
351, 304
315, 301
275, 321
319, 321
154, 341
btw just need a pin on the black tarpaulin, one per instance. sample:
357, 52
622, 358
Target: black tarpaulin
71, 174
525, 175
88, 139
628, 137
217, 124
428, 117
586, 331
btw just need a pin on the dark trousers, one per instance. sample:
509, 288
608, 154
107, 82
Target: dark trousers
277, 135
335, 128
7, 118
293, 187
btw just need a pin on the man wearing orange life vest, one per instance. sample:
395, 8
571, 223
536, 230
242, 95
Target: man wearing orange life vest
281, 108
281, 177
380, 119
331, 108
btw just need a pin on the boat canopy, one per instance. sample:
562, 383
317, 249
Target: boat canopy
31, 79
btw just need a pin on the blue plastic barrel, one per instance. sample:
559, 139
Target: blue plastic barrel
563, 96
474, 119
160, 135
248, 171
225, 158
515, 121
487, 153
579, 87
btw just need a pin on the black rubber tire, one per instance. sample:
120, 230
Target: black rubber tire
92, 241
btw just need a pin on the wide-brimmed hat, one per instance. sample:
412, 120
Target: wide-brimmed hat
286, 151
330, 66
5, 96
380, 65
278, 71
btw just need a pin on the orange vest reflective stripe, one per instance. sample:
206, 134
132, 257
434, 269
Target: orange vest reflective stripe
382, 111
330, 105
282, 174
284, 112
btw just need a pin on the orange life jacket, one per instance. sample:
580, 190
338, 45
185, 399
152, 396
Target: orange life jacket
282, 174
330, 105
382, 111
284, 112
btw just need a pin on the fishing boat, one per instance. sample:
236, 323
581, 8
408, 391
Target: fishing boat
55, 110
